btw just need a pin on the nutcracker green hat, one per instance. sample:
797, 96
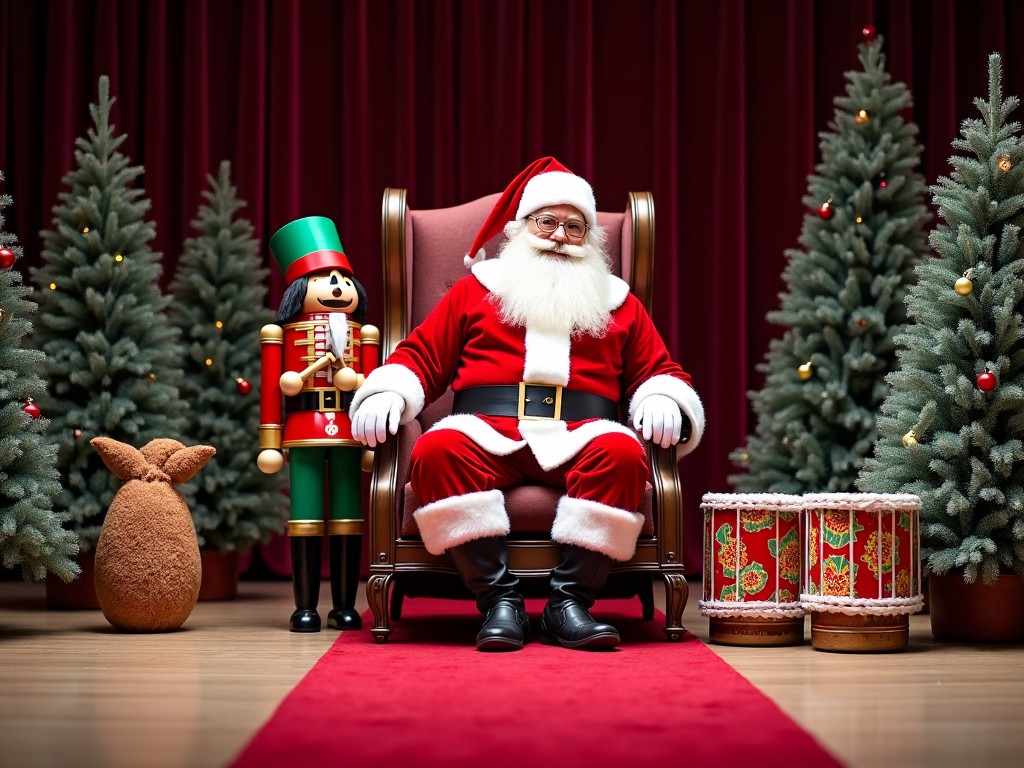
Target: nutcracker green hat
308, 245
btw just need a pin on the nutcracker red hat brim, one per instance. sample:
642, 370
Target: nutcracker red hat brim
543, 182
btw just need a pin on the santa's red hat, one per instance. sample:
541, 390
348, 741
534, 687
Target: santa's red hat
542, 183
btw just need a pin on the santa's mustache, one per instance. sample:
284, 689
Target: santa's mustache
542, 245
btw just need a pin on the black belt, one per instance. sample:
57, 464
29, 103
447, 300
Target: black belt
535, 401
318, 400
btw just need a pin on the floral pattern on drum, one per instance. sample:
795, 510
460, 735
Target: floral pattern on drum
835, 576
859, 554
758, 564
786, 551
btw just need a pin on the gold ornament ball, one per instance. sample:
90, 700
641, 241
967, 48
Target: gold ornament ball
291, 382
1003, 163
345, 379
862, 117
804, 371
909, 439
963, 286
270, 461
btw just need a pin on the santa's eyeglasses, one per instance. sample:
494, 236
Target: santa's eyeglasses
574, 228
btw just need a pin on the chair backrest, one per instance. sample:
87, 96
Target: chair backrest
434, 242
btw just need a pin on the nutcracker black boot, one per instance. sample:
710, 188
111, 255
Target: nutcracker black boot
345, 554
483, 566
305, 583
575, 584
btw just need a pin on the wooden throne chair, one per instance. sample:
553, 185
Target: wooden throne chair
422, 258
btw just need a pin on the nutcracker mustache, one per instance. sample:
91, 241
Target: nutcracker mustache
559, 295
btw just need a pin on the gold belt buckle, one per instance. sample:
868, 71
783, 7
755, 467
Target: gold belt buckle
555, 401
324, 406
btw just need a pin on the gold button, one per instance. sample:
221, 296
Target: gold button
549, 400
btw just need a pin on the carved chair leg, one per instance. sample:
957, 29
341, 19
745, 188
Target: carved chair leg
377, 598
676, 593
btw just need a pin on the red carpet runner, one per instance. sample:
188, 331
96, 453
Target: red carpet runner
427, 698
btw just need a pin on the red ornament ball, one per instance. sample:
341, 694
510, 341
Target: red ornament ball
825, 211
987, 381
6, 258
869, 33
244, 387
32, 410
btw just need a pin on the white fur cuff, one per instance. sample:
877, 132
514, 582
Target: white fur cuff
685, 397
449, 522
598, 527
397, 379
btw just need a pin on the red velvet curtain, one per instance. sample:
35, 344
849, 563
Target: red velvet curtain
714, 106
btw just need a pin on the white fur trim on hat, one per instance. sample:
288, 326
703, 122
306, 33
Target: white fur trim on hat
446, 523
558, 188
598, 527
478, 258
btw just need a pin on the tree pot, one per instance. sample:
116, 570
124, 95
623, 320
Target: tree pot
220, 574
977, 613
77, 594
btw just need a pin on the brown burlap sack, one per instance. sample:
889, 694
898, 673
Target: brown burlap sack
147, 558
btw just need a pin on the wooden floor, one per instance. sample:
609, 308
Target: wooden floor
74, 692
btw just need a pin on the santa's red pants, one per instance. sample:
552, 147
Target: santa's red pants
612, 469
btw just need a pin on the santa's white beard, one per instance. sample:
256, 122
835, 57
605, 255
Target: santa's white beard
558, 294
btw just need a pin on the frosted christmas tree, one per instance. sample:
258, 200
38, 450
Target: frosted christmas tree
31, 533
844, 298
219, 306
952, 427
113, 361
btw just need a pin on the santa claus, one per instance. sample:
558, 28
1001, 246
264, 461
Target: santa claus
540, 346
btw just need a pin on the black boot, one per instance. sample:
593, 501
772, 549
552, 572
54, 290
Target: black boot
483, 566
305, 583
575, 583
345, 555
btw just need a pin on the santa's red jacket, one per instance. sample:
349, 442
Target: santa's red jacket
464, 343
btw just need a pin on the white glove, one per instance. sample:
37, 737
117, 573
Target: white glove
659, 420
376, 417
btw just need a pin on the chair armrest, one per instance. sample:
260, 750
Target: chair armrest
387, 482
668, 506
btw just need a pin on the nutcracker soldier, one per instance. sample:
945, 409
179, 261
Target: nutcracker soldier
313, 359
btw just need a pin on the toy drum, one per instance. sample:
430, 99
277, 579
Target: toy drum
862, 576
752, 569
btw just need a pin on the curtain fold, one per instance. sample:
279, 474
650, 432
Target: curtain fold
715, 107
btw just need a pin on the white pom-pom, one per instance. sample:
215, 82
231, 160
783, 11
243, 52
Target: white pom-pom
470, 261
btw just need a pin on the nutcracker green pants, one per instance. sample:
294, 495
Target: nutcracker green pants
308, 469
